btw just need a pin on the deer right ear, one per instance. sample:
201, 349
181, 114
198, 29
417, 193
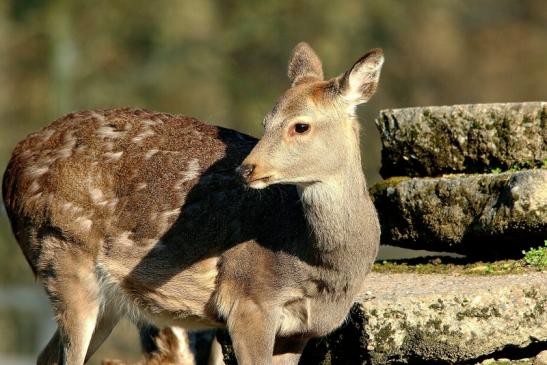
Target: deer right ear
361, 81
304, 65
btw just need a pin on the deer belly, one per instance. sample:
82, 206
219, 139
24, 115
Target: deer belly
165, 294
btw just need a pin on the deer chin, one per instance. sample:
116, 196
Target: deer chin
261, 182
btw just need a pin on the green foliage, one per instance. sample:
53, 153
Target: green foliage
526, 165
536, 257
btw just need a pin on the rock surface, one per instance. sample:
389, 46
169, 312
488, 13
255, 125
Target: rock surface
429, 141
438, 319
471, 214
541, 358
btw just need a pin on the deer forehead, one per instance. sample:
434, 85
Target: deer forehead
308, 101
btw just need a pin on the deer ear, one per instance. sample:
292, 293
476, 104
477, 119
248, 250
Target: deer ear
359, 83
304, 65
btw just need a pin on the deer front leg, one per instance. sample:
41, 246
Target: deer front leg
252, 330
288, 350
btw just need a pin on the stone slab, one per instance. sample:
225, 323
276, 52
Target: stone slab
498, 214
430, 141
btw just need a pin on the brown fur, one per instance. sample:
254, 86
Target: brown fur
138, 213
172, 349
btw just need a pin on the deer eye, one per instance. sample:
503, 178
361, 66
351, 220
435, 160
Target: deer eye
300, 128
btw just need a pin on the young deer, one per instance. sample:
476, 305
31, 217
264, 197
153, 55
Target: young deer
132, 212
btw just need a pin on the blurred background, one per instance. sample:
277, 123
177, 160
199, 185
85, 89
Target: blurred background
225, 62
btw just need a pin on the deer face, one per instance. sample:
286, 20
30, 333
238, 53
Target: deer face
312, 130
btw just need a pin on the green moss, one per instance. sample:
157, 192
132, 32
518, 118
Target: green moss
437, 306
481, 313
384, 338
381, 186
526, 165
436, 266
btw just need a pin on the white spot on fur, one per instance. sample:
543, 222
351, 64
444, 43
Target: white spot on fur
46, 135
84, 222
147, 133
97, 196
151, 123
109, 146
109, 132
64, 152
170, 213
124, 239
113, 156
36, 171
34, 187
165, 219
150, 153
70, 208
112, 204
33, 198
141, 186
192, 171
98, 116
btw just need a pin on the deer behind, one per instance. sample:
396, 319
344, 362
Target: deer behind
131, 212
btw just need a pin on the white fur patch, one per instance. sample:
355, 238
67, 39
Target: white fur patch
192, 171
113, 156
141, 186
109, 132
124, 239
34, 187
84, 222
150, 153
97, 196
139, 137
150, 122
98, 116
36, 171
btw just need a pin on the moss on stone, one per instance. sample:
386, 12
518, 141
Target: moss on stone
381, 186
436, 266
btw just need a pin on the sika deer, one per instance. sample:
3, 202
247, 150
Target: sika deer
132, 212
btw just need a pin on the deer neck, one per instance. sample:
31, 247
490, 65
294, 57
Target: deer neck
340, 213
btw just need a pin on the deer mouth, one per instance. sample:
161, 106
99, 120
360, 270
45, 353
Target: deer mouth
259, 182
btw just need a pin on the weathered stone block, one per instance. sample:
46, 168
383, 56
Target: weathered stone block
451, 319
429, 141
471, 214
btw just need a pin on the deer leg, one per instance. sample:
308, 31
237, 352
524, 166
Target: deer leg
68, 276
288, 350
252, 331
108, 319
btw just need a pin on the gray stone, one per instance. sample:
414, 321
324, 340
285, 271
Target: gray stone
430, 141
452, 319
541, 358
469, 214
441, 319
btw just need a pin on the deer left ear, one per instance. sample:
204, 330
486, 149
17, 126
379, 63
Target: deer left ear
359, 83
304, 65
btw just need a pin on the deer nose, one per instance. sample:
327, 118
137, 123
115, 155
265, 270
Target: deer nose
245, 170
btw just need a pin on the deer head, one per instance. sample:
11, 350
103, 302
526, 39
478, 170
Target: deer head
312, 134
